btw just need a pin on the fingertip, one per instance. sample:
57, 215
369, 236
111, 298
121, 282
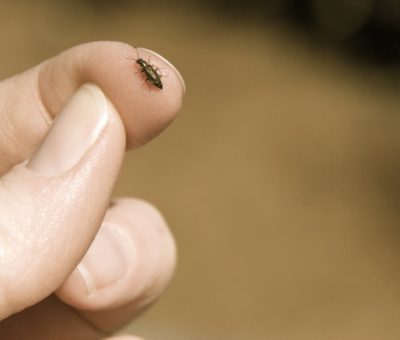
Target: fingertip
145, 109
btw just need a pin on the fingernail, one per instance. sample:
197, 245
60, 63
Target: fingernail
73, 132
106, 261
177, 73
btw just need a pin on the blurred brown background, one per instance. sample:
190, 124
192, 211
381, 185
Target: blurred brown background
281, 176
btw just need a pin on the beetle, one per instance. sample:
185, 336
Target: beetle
151, 72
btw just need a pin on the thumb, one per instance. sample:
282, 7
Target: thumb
52, 206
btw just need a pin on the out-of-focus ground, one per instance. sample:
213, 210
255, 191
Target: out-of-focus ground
280, 178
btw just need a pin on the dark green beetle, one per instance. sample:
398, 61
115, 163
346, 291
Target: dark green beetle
152, 73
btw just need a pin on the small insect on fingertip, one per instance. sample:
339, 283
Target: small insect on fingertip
151, 72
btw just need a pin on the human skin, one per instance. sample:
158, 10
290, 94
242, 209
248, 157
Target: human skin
64, 128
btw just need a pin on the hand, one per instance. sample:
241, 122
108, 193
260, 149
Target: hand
53, 204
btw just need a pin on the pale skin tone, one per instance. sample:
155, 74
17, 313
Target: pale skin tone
58, 280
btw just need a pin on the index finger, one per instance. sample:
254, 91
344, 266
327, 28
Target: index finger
31, 100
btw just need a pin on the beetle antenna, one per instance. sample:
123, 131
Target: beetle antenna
137, 52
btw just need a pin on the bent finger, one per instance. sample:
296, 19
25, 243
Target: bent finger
31, 100
127, 267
